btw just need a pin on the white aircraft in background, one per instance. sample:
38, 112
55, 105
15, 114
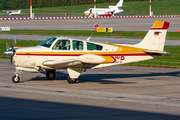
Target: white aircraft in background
12, 12
76, 55
105, 11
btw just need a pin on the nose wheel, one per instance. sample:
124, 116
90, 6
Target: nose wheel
16, 77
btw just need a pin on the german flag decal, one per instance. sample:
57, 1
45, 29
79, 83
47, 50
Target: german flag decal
156, 33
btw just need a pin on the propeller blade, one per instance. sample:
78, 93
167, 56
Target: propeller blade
7, 46
10, 52
14, 40
14, 43
11, 59
12, 48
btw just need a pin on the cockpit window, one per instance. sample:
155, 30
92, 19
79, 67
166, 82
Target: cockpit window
62, 45
48, 42
92, 46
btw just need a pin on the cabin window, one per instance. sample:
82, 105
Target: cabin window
78, 45
62, 45
48, 42
92, 46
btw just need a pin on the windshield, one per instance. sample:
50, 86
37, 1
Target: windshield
48, 42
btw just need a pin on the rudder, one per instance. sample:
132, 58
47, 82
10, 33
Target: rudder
120, 3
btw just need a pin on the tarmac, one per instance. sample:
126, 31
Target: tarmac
118, 24
119, 92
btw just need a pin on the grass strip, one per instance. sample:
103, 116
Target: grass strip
115, 34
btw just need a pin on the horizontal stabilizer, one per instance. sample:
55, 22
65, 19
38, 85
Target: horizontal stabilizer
157, 52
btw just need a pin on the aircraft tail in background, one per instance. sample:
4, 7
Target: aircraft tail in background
120, 3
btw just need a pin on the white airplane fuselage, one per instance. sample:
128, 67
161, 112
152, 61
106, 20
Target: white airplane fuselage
14, 12
102, 11
33, 57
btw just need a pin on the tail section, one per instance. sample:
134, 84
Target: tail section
117, 8
120, 3
155, 38
19, 12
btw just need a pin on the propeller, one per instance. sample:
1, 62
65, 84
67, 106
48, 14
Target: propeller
7, 46
10, 51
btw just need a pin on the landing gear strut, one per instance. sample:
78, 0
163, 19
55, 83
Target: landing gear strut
16, 77
71, 80
50, 75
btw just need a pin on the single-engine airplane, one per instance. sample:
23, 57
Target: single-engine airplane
12, 12
105, 11
77, 55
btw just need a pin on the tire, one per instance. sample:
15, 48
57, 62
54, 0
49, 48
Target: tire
15, 80
71, 80
51, 75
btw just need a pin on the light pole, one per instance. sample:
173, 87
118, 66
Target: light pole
94, 8
150, 8
30, 8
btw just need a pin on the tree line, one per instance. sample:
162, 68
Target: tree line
24, 4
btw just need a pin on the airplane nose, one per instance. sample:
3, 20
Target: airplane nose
9, 53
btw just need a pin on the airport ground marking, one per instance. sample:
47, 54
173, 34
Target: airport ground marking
47, 20
5, 21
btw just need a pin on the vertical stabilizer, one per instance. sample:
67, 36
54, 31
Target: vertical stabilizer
120, 3
156, 36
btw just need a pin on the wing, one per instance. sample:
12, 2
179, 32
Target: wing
61, 63
88, 59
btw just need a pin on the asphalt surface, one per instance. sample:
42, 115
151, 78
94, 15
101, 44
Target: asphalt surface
125, 24
119, 92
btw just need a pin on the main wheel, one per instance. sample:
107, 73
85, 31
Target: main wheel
50, 75
15, 79
71, 80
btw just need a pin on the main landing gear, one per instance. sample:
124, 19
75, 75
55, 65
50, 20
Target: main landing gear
16, 77
71, 80
50, 74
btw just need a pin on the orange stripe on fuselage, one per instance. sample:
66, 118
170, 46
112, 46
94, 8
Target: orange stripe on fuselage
120, 50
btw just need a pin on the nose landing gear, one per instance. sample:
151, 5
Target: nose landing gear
16, 77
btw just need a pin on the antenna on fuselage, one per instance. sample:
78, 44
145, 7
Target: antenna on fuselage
89, 37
